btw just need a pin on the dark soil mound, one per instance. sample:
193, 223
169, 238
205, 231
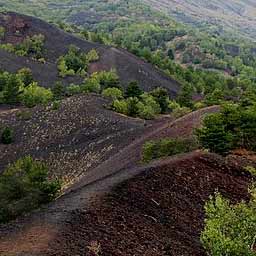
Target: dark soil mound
128, 66
73, 139
158, 212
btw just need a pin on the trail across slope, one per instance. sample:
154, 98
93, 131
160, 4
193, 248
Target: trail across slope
51, 220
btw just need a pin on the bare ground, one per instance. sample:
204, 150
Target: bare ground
52, 222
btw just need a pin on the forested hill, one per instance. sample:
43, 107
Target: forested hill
230, 15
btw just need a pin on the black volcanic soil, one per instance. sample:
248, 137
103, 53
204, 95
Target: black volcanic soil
47, 230
158, 212
128, 66
73, 139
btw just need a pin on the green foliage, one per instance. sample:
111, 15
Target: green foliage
58, 90
7, 136
25, 75
76, 62
24, 186
251, 170
92, 84
230, 229
2, 32
166, 147
133, 90
11, 90
56, 104
214, 135
148, 107
120, 106
33, 95
113, 93
233, 127
31, 46
24, 115
92, 56
107, 79
73, 89
162, 98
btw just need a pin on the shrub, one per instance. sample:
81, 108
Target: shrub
73, 89
166, 147
2, 32
58, 90
25, 75
12, 89
76, 62
234, 127
24, 186
7, 136
213, 135
91, 85
148, 108
120, 106
230, 229
92, 56
34, 94
133, 109
113, 93
181, 111
133, 90
107, 79
162, 98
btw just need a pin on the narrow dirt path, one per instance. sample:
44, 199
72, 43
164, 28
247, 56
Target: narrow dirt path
31, 235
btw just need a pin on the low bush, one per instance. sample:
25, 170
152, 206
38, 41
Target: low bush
34, 94
113, 93
24, 186
166, 147
73, 89
7, 136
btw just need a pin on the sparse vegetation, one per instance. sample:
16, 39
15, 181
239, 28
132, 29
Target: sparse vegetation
166, 147
24, 186
31, 46
75, 62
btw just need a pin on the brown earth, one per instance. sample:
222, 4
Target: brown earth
83, 215
128, 66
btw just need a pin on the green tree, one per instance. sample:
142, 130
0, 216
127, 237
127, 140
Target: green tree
214, 136
24, 186
7, 136
162, 98
25, 76
230, 229
133, 90
12, 90
58, 90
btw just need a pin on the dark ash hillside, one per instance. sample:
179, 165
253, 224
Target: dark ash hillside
57, 42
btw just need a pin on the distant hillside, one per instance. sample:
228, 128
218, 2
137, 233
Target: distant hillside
233, 15
17, 27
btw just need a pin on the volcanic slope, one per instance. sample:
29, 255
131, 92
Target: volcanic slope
159, 205
128, 66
